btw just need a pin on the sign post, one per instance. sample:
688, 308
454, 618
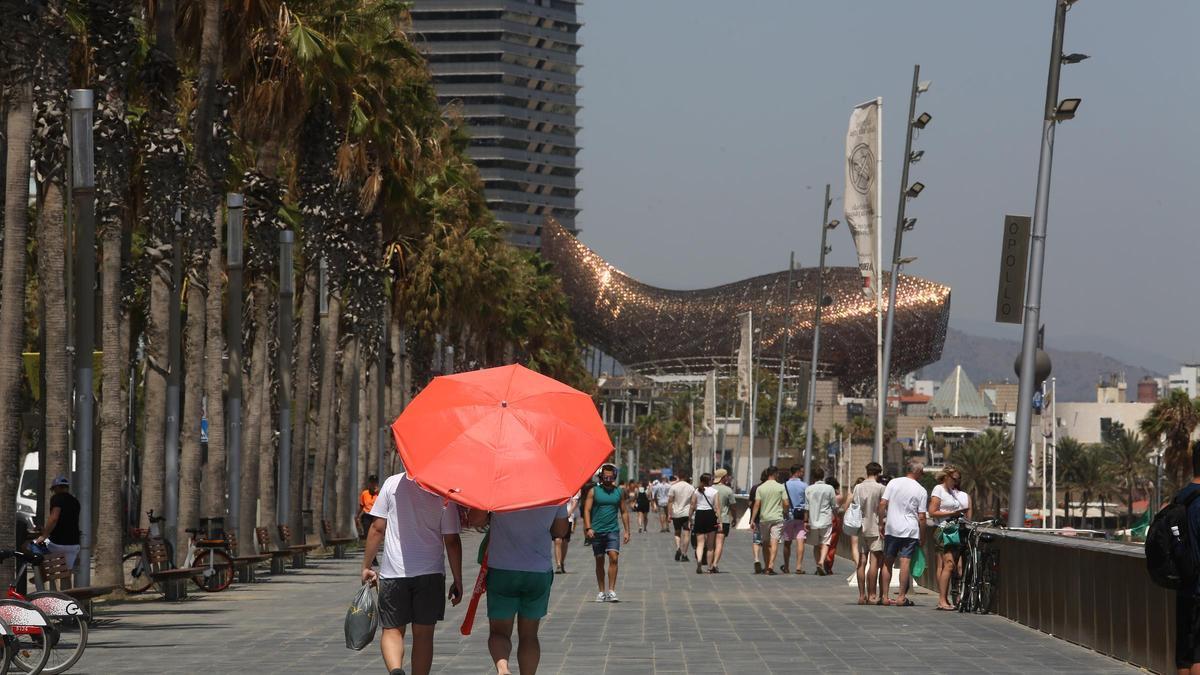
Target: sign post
1014, 259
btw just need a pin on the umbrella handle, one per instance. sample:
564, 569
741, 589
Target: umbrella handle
476, 594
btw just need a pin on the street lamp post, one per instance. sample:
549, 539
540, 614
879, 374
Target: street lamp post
1053, 113
83, 192
906, 192
826, 226
287, 292
787, 303
233, 319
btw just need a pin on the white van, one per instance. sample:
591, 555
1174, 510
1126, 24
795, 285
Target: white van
27, 497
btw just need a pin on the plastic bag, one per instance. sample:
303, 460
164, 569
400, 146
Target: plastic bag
362, 618
853, 520
918, 563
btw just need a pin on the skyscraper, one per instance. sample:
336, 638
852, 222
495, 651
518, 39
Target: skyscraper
509, 68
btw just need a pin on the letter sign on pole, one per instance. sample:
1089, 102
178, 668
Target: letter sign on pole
1014, 259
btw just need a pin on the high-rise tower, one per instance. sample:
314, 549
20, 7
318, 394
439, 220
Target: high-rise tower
510, 67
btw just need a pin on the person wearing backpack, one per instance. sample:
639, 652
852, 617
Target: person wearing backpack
1173, 562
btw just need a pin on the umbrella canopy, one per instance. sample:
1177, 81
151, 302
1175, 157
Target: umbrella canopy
501, 439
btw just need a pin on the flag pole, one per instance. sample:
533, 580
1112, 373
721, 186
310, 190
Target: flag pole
880, 376
753, 393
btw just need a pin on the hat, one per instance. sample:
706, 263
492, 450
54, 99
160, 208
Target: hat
720, 473
59, 480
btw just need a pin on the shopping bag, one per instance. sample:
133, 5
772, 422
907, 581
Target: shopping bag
362, 618
853, 520
918, 562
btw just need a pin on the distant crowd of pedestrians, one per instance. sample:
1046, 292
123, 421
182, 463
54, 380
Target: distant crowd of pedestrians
414, 532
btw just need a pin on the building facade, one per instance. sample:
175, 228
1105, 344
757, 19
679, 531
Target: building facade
1187, 379
508, 68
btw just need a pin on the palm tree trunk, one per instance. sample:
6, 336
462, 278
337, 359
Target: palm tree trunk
371, 428
153, 452
325, 403
109, 517
55, 363
267, 447
19, 127
213, 501
193, 407
342, 472
248, 517
303, 399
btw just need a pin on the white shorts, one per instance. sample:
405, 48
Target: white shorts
821, 535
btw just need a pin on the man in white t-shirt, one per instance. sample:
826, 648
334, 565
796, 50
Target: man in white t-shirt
902, 519
659, 490
679, 501
418, 530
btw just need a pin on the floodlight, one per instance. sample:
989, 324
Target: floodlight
916, 156
914, 190
833, 224
909, 224
1074, 58
906, 261
923, 86
1066, 109
922, 120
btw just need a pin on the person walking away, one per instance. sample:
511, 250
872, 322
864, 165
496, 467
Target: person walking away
821, 500
660, 494
793, 527
841, 501
1187, 597
755, 535
947, 505
562, 541
366, 499
520, 574
902, 515
725, 505
61, 532
705, 520
605, 503
643, 506
418, 531
770, 503
679, 500
868, 550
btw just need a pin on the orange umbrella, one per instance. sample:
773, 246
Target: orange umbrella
501, 439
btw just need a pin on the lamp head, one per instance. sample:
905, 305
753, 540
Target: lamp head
1074, 57
922, 120
916, 156
915, 190
923, 86
833, 224
909, 224
1066, 109
906, 261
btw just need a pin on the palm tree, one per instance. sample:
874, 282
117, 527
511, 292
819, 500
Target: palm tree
1173, 418
985, 467
1129, 463
112, 31
862, 429
1091, 476
50, 158
1068, 456
17, 136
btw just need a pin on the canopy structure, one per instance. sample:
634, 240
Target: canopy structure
655, 330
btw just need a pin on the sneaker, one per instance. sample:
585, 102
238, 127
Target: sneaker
699, 567
757, 567
612, 596
396, 671
602, 597
683, 558
678, 555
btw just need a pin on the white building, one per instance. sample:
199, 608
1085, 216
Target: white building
1086, 422
1187, 379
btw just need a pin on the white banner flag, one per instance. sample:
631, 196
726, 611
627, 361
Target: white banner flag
710, 402
744, 357
862, 154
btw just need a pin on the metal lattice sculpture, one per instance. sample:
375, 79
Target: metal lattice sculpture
652, 329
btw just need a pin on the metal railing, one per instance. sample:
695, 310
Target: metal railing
1090, 592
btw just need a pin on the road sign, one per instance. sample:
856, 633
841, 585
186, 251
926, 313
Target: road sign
1014, 259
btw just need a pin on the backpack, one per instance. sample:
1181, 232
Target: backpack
1170, 557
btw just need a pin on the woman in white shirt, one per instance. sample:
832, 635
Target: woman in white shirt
704, 520
947, 503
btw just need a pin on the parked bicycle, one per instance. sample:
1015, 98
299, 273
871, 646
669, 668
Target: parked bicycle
26, 636
67, 631
977, 585
209, 555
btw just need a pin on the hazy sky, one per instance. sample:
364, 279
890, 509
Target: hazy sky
710, 128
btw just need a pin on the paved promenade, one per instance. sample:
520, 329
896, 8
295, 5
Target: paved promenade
669, 620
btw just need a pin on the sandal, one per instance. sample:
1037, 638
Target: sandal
770, 572
906, 603
887, 602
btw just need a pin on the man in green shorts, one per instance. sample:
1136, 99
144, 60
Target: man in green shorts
520, 572
604, 503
